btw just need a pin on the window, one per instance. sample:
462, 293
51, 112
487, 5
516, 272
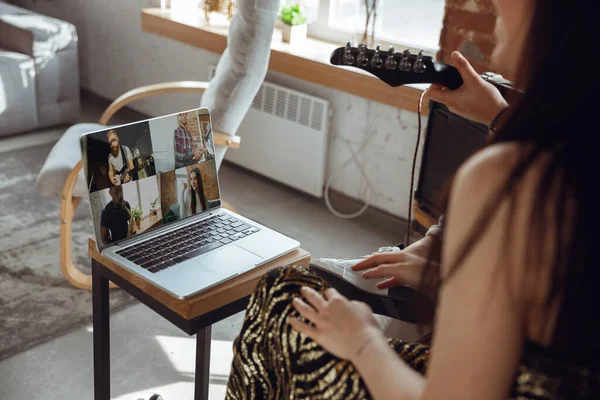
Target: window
405, 23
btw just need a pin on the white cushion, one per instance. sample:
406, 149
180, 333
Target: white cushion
52, 44
61, 160
18, 106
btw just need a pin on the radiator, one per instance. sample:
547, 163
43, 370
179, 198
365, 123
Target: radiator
285, 138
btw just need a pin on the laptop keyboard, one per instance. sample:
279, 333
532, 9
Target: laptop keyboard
187, 242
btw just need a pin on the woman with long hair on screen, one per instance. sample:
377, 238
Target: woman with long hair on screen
516, 289
194, 200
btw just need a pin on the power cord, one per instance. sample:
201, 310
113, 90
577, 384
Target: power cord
369, 190
414, 166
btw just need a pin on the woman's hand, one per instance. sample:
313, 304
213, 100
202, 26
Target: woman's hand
476, 99
341, 327
403, 268
400, 269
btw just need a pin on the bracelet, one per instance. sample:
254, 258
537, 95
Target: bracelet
494, 123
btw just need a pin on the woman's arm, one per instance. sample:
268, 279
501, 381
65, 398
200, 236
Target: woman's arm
481, 318
384, 373
480, 322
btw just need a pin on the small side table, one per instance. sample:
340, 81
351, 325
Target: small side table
194, 315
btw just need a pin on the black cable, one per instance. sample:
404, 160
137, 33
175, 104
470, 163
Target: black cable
414, 165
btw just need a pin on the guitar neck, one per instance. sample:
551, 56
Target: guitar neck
397, 69
446, 75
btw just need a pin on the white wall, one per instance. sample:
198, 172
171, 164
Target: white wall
116, 55
162, 132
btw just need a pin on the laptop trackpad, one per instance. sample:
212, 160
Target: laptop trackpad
207, 270
229, 261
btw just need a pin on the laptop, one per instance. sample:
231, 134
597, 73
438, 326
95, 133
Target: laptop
156, 205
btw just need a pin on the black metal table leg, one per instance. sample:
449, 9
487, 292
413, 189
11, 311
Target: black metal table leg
101, 317
202, 363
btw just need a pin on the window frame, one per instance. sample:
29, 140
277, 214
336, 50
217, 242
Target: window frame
320, 29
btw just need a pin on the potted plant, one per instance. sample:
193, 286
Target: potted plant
153, 204
294, 23
136, 214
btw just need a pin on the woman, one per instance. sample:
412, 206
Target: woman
194, 200
517, 279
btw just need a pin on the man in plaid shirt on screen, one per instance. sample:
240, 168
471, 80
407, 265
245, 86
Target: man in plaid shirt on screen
187, 151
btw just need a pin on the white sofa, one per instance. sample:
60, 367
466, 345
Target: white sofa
39, 72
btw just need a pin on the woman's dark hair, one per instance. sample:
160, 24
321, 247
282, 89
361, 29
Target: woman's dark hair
199, 191
555, 116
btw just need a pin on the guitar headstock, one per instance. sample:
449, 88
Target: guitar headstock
397, 69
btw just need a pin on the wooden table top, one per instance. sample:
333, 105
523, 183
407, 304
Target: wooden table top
211, 299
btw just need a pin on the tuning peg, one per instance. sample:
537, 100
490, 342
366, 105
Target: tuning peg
377, 61
348, 56
420, 66
390, 61
362, 60
405, 64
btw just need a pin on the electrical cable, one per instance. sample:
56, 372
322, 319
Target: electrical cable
367, 193
368, 189
412, 171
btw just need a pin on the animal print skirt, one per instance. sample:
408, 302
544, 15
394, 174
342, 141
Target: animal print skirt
273, 361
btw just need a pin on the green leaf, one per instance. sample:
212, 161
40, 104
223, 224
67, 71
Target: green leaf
292, 14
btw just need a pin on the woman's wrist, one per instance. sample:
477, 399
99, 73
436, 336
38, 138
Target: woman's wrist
421, 248
499, 118
369, 340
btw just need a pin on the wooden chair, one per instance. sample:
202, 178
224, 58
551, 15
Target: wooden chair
69, 203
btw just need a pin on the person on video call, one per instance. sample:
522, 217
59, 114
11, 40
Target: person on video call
116, 222
194, 200
120, 160
208, 142
188, 149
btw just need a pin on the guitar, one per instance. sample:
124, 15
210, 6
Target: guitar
397, 69
123, 173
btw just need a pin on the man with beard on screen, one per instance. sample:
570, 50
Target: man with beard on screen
188, 149
120, 160
116, 222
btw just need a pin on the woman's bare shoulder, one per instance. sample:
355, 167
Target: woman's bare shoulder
491, 167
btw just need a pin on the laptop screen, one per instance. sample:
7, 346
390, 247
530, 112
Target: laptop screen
147, 174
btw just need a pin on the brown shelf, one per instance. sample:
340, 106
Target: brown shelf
309, 62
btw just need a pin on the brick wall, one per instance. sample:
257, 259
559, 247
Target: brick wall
469, 28
208, 170
168, 190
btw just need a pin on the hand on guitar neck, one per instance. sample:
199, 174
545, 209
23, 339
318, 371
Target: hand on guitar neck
471, 95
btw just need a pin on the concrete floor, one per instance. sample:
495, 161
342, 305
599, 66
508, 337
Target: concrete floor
148, 354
